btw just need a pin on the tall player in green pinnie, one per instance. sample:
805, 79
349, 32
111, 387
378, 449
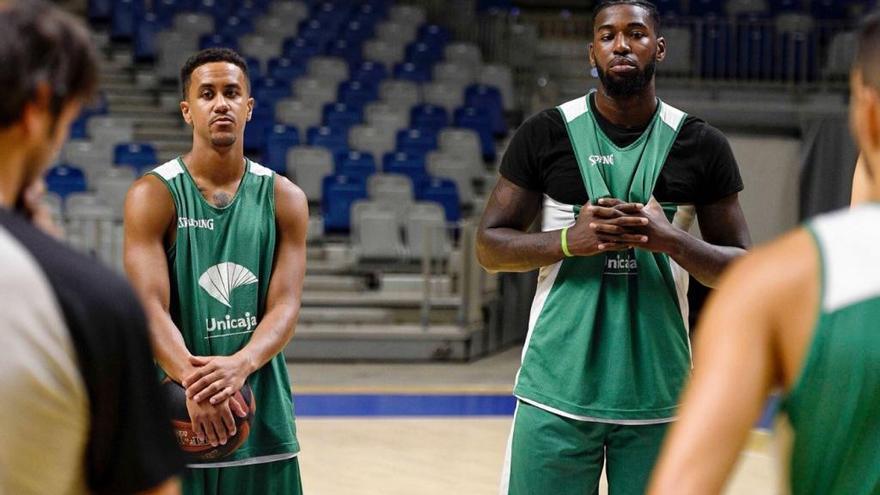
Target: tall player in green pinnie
618, 175
215, 245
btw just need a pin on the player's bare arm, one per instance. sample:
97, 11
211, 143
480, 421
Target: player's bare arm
148, 218
504, 243
739, 331
861, 188
219, 377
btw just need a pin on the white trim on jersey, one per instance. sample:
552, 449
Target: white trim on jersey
504, 489
850, 258
575, 108
169, 169
245, 462
258, 169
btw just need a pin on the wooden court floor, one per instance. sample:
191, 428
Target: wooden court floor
442, 456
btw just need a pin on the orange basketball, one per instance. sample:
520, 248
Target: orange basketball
202, 451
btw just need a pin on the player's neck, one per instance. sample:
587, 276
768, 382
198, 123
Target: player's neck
12, 173
634, 111
216, 165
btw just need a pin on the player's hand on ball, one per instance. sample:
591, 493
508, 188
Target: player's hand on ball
215, 378
214, 423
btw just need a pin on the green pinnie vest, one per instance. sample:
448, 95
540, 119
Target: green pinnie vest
608, 338
219, 268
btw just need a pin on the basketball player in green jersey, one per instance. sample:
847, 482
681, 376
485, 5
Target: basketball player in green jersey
215, 245
800, 313
620, 175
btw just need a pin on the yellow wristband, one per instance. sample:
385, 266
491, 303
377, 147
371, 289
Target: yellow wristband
565, 250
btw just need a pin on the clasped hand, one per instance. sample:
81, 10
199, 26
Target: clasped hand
209, 396
614, 225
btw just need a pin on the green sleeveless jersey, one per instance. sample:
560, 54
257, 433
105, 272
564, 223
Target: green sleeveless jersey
834, 405
608, 338
219, 268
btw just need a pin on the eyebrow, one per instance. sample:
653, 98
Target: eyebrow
634, 24
225, 86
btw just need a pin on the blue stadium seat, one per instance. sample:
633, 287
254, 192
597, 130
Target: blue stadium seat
235, 27
427, 116
65, 179
124, 19
410, 164
268, 91
217, 40
100, 10
285, 69
433, 34
165, 9
338, 193
494, 5
716, 59
409, 71
332, 13
137, 155
300, 49
254, 68
419, 52
250, 9
335, 140
440, 190
78, 129
357, 32
262, 119
317, 32
488, 99
798, 61
341, 115
754, 53
781, 6
350, 51
279, 139
668, 8
416, 141
828, 10
706, 7
374, 10
357, 93
354, 163
145, 36
217, 8
478, 120
370, 72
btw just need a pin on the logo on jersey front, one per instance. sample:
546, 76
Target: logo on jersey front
601, 160
220, 282
195, 223
621, 263
222, 279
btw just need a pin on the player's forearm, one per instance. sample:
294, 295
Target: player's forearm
169, 348
705, 262
509, 250
270, 337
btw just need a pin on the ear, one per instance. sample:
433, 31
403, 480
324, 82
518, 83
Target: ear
865, 118
661, 49
184, 110
591, 55
250, 104
35, 115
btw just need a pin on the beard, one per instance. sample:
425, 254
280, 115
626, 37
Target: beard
223, 140
626, 86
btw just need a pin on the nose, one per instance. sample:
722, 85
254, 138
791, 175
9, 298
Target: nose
221, 105
621, 45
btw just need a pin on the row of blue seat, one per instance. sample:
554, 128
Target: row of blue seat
340, 191
820, 9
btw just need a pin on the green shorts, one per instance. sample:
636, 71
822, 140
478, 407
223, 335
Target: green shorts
270, 478
548, 453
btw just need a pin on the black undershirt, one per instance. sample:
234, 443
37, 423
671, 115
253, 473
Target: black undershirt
700, 168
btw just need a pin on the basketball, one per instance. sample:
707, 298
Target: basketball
197, 450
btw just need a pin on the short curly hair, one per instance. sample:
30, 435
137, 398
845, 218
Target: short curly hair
208, 56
